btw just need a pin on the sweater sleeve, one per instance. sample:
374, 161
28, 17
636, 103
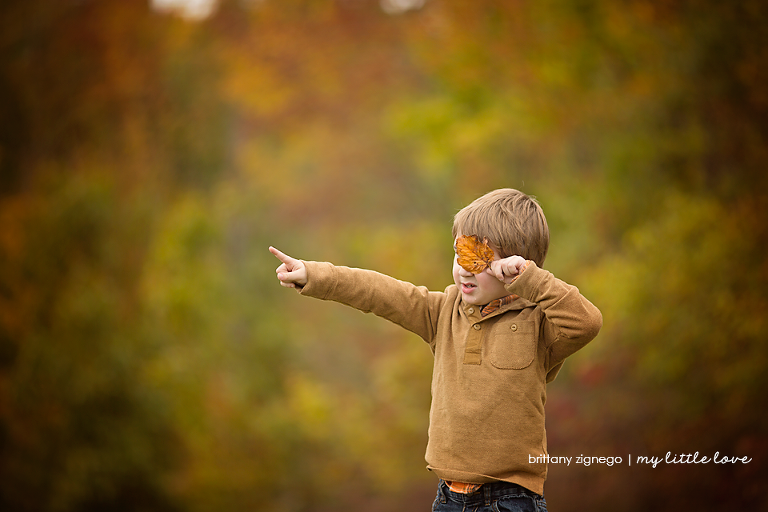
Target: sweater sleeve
571, 320
409, 306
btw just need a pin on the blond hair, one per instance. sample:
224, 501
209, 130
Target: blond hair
512, 221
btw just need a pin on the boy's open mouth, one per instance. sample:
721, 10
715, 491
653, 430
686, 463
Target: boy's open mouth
467, 287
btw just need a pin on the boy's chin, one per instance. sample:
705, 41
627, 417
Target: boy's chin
470, 299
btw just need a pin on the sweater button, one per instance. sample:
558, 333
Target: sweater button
471, 310
476, 327
513, 327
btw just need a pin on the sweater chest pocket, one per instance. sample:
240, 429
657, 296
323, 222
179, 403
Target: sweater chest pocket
513, 345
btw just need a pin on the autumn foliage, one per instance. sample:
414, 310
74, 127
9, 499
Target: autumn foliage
474, 255
150, 361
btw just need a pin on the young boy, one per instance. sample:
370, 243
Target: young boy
498, 337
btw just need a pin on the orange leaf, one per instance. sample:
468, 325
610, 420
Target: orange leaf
474, 255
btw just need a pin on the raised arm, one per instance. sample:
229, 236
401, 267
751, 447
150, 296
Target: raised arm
573, 321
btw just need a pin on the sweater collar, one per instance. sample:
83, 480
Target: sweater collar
513, 303
496, 305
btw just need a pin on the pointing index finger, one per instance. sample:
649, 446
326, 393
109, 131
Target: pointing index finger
281, 256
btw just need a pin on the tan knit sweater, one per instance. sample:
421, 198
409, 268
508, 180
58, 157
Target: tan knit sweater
490, 373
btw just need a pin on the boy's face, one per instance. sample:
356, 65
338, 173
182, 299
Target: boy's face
478, 289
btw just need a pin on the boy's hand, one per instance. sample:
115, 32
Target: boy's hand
507, 269
292, 273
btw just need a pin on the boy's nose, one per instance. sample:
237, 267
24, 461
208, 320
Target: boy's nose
464, 272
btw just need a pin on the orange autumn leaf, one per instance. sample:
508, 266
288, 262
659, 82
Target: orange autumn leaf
474, 255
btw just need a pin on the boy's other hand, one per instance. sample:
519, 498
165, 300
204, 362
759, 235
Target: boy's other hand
292, 273
507, 269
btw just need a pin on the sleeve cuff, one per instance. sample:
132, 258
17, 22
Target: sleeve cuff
526, 282
320, 279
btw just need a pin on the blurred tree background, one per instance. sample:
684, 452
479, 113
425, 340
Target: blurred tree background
150, 361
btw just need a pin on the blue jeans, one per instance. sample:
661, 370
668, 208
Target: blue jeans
495, 497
